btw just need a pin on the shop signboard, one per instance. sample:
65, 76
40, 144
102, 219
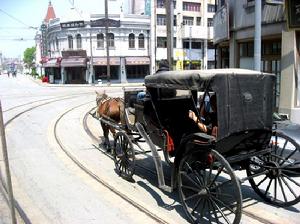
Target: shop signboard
73, 24
221, 24
102, 22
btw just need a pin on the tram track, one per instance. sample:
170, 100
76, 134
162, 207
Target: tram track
95, 177
18, 207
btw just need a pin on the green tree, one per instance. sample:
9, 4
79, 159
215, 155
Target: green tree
29, 56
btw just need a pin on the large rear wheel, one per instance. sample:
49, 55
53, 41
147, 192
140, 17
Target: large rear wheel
208, 189
124, 157
279, 183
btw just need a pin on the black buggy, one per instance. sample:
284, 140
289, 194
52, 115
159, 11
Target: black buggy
202, 164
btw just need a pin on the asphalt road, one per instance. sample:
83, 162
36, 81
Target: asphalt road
51, 188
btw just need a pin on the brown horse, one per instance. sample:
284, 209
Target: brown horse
111, 108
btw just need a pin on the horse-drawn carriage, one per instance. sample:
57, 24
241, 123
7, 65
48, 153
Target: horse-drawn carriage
203, 164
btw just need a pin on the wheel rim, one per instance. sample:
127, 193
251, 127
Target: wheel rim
209, 193
280, 183
124, 155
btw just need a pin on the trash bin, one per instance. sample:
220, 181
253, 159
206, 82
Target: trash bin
99, 81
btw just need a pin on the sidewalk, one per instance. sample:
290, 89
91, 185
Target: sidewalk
130, 84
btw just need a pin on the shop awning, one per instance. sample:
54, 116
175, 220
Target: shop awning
137, 60
73, 62
99, 61
52, 63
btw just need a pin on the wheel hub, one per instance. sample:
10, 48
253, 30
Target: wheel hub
274, 170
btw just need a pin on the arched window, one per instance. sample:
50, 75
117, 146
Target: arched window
100, 40
131, 40
70, 42
111, 40
78, 41
141, 41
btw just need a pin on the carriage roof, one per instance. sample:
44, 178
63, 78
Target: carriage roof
244, 97
197, 79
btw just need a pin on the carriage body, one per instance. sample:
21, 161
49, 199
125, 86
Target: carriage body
244, 107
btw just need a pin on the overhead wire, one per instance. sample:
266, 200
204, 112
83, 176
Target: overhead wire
16, 19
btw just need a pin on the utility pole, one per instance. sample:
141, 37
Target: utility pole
107, 42
257, 36
91, 59
170, 31
190, 47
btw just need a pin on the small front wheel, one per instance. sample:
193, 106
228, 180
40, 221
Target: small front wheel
208, 189
123, 153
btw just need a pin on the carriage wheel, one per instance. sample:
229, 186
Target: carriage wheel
123, 153
280, 183
209, 190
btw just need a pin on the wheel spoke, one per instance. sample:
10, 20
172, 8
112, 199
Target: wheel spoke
197, 205
190, 179
203, 208
223, 215
190, 188
268, 186
261, 181
191, 197
222, 203
222, 194
289, 187
215, 178
283, 148
220, 185
193, 171
275, 189
291, 180
214, 211
286, 159
282, 189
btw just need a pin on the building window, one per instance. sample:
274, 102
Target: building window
100, 40
56, 43
141, 41
70, 42
194, 44
161, 4
161, 20
198, 22
210, 22
131, 40
246, 49
191, 6
188, 21
210, 8
161, 42
111, 40
78, 41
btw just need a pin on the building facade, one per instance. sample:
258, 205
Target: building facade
76, 47
193, 33
234, 37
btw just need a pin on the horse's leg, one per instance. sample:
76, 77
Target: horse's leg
105, 134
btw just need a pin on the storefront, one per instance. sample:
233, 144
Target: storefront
74, 67
75, 70
100, 68
137, 67
52, 70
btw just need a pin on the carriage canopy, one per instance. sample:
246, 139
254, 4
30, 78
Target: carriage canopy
244, 97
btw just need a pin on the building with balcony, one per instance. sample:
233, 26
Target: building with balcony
76, 47
234, 36
193, 33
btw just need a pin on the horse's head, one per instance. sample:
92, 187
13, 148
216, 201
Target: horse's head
100, 96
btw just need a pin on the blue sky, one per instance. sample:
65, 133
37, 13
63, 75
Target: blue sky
31, 13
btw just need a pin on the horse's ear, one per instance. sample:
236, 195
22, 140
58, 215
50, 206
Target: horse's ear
96, 93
